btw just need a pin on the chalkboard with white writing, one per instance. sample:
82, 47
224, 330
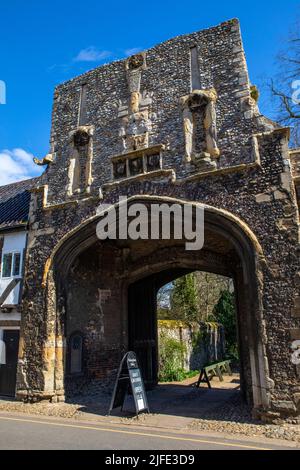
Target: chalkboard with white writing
129, 377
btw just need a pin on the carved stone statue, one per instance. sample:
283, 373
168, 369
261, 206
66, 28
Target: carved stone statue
135, 101
188, 127
210, 125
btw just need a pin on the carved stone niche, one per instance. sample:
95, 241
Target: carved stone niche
81, 138
80, 166
200, 130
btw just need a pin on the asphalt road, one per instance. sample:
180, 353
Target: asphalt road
35, 433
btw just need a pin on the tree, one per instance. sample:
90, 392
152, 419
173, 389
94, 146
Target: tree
184, 304
286, 86
209, 287
225, 313
193, 296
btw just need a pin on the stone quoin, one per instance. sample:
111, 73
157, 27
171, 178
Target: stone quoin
178, 123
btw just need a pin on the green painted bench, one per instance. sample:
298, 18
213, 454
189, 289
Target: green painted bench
214, 370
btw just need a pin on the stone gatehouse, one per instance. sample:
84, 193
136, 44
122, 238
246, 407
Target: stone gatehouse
177, 123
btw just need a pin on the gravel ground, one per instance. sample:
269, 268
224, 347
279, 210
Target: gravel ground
63, 410
235, 418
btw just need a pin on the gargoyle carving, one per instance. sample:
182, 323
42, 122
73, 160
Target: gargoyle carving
44, 161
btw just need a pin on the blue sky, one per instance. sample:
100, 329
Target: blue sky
45, 43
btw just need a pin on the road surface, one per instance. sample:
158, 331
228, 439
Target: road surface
43, 433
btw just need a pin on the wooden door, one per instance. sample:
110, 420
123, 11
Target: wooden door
8, 371
143, 328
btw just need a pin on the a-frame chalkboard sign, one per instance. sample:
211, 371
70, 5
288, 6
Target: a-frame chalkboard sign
129, 376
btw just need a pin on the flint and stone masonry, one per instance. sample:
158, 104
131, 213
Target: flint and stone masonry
177, 123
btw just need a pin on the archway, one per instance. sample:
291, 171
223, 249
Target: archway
109, 273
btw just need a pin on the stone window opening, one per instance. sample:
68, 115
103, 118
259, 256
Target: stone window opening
76, 353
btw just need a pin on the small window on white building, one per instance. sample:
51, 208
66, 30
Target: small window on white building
11, 265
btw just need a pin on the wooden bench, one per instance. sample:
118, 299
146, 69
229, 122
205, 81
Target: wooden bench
224, 367
214, 370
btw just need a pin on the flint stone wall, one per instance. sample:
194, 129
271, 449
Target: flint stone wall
204, 343
252, 181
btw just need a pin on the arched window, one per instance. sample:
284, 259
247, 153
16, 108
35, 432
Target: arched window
76, 348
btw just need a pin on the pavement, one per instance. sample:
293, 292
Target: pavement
34, 433
181, 417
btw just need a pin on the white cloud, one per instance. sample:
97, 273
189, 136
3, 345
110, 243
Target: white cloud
133, 51
91, 54
17, 165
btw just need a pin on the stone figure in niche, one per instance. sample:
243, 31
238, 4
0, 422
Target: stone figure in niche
188, 127
80, 167
199, 124
135, 102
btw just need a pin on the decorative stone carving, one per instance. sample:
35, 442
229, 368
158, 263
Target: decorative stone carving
81, 138
44, 161
135, 112
134, 66
200, 105
135, 62
137, 162
135, 102
135, 130
80, 166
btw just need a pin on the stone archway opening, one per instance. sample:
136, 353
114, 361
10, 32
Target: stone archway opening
197, 324
173, 343
106, 295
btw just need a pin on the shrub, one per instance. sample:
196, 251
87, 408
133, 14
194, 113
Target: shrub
171, 357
